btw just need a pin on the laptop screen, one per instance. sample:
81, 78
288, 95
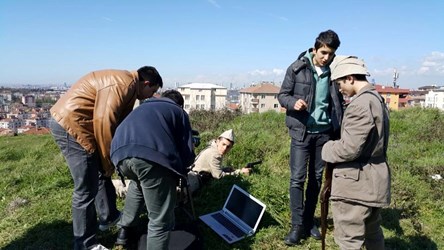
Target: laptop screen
244, 207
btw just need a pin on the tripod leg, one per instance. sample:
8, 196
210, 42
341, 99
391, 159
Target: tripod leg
190, 200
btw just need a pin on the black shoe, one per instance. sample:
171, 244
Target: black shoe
314, 233
106, 226
122, 236
294, 237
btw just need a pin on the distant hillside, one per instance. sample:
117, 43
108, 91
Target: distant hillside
35, 184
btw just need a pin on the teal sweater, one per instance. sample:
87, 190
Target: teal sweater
319, 120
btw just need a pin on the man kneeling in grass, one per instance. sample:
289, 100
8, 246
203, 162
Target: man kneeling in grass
208, 164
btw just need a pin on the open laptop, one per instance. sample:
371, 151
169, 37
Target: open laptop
239, 217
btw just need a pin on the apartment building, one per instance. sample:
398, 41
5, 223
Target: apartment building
259, 98
5, 98
435, 99
20, 117
205, 96
28, 100
11, 123
416, 98
395, 98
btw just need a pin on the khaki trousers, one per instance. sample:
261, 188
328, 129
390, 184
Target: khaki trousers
357, 225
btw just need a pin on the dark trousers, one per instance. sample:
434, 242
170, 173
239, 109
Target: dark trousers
152, 186
305, 157
91, 189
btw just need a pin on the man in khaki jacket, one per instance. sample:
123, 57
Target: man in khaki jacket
361, 175
209, 161
84, 121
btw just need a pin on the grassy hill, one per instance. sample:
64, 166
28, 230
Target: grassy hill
35, 184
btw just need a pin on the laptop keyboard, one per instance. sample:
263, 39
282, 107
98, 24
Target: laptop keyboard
228, 224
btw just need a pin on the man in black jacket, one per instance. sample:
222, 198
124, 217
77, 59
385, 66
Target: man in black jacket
153, 147
314, 112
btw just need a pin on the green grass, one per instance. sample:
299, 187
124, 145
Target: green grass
36, 187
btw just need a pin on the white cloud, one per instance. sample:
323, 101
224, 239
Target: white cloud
282, 18
273, 72
432, 64
237, 80
278, 72
380, 72
417, 73
425, 71
214, 3
257, 72
107, 19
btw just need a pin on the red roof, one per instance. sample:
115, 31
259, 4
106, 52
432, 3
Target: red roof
232, 106
37, 131
403, 100
5, 131
264, 88
390, 90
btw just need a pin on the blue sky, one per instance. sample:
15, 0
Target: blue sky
238, 42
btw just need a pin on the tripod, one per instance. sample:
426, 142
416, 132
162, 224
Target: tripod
186, 197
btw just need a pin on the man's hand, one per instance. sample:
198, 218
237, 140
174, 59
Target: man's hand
109, 172
246, 171
228, 169
300, 105
120, 189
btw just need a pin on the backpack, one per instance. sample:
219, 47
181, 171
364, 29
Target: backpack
184, 236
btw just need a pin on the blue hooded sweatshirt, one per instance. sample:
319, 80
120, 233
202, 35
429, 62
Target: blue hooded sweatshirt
158, 131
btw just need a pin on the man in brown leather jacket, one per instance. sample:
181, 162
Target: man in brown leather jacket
84, 121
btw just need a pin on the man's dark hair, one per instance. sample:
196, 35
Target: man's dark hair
361, 77
327, 38
174, 95
149, 73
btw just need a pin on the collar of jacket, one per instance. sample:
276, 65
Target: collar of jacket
137, 82
162, 99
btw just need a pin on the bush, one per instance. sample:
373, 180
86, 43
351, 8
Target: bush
209, 120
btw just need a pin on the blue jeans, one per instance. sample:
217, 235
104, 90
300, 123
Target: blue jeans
154, 186
305, 156
92, 190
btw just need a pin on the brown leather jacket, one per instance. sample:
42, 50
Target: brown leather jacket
94, 106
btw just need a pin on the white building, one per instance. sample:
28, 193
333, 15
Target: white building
205, 96
6, 95
259, 98
37, 122
28, 100
435, 99
10, 123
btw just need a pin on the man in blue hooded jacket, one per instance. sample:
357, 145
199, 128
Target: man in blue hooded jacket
153, 147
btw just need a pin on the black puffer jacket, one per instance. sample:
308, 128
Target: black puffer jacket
299, 83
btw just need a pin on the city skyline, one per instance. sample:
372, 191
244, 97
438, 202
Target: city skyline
229, 43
